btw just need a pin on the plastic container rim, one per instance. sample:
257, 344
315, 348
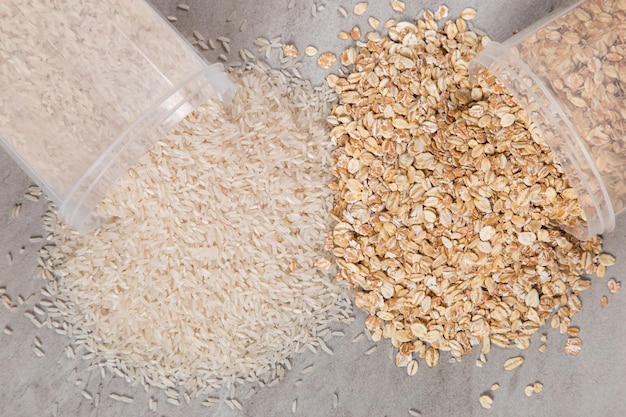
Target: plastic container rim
72, 212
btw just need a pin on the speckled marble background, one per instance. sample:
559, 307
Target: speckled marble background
590, 384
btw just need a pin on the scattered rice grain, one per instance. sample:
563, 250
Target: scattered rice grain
122, 398
371, 349
15, 212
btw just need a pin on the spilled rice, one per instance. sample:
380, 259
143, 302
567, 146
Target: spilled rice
204, 272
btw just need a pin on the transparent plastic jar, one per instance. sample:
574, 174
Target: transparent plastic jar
568, 71
87, 87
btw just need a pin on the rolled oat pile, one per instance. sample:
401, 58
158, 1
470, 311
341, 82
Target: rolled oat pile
447, 208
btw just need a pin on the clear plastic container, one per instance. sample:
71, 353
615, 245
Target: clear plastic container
568, 71
87, 87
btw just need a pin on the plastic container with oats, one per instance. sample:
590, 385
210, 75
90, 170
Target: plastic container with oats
86, 87
568, 71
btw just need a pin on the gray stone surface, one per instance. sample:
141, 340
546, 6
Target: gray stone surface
590, 384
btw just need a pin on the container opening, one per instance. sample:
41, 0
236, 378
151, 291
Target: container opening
557, 131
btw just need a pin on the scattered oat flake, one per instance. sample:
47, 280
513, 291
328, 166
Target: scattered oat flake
494, 386
573, 345
543, 347
344, 36
529, 390
614, 286
348, 56
398, 6
342, 11
411, 367
573, 331
326, 60
606, 259
441, 13
428, 15
373, 22
414, 413
389, 23
485, 400
290, 50
468, 14
310, 50
604, 301
513, 362
537, 387
355, 33
360, 8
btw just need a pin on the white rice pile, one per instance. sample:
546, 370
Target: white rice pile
206, 273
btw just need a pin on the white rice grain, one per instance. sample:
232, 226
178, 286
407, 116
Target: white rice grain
15, 212
190, 277
121, 398
173, 401
237, 404
371, 349
198, 36
31, 197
